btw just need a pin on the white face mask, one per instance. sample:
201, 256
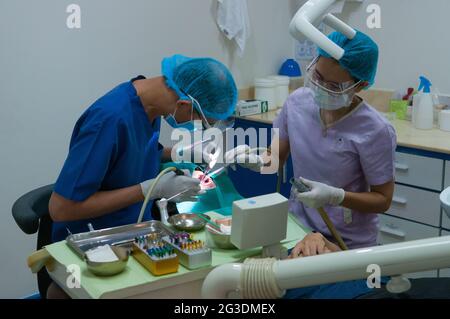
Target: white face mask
328, 96
329, 101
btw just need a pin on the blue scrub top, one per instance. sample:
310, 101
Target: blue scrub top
113, 146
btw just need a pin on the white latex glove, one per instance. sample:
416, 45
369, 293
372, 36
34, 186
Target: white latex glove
319, 195
171, 184
198, 154
241, 155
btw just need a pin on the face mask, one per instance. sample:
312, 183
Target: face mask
329, 101
189, 125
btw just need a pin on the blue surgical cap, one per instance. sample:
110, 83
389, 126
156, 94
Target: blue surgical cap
360, 57
206, 80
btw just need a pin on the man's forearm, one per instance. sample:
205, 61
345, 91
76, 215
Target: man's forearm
99, 204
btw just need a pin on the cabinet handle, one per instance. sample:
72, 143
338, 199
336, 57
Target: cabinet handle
401, 167
393, 231
399, 200
284, 174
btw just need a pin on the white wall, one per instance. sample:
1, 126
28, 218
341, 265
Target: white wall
413, 41
50, 74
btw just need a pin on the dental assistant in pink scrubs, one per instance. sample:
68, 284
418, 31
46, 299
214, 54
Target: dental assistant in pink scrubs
341, 147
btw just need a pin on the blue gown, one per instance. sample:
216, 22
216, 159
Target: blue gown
113, 145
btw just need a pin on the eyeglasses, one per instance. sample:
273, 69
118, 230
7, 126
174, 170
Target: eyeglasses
196, 106
219, 124
316, 78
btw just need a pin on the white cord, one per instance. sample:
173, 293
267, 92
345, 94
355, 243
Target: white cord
150, 191
258, 279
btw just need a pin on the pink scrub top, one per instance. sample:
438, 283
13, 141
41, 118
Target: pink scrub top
353, 153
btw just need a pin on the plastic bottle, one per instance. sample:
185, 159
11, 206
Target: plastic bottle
282, 90
266, 90
423, 112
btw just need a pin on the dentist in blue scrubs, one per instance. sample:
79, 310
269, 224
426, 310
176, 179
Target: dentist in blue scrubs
114, 154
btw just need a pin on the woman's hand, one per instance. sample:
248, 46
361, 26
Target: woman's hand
320, 194
313, 244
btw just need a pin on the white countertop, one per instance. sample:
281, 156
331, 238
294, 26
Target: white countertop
433, 140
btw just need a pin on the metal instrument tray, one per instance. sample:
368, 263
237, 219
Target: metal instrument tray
115, 236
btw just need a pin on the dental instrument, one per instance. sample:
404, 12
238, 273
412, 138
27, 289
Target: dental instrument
150, 191
221, 169
176, 195
192, 253
157, 257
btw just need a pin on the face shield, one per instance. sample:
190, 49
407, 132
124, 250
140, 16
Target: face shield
329, 95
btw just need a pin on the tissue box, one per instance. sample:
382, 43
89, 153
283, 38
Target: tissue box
251, 107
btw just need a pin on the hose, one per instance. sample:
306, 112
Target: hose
301, 187
332, 229
258, 279
150, 191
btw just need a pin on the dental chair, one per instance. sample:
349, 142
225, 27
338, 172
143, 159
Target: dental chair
31, 214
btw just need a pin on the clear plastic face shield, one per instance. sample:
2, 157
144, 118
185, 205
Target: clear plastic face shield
329, 95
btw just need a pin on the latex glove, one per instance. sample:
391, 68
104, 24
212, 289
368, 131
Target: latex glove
171, 184
313, 244
200, 154
319, 195
241, 155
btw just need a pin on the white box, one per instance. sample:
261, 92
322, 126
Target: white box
251, 107
259, 221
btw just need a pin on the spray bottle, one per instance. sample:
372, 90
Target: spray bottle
422, 115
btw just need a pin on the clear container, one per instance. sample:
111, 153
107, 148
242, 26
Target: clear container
282, 89
266, 90
444, 120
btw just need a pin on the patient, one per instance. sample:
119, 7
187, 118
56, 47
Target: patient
313, 244
316, 244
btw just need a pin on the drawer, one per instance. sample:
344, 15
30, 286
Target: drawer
447, 174
394, 230
444, 272
419, 171
416, 204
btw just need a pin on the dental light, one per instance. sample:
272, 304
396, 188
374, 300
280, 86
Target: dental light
305, 24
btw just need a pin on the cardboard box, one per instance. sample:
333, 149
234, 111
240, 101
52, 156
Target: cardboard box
251, 107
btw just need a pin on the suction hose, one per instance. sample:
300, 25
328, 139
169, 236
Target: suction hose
150, 191
258, 279
255, 278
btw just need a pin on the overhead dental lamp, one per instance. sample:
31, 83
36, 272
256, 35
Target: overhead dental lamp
305, 24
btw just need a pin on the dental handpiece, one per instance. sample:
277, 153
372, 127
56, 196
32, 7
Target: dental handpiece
221, 169
299, 185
